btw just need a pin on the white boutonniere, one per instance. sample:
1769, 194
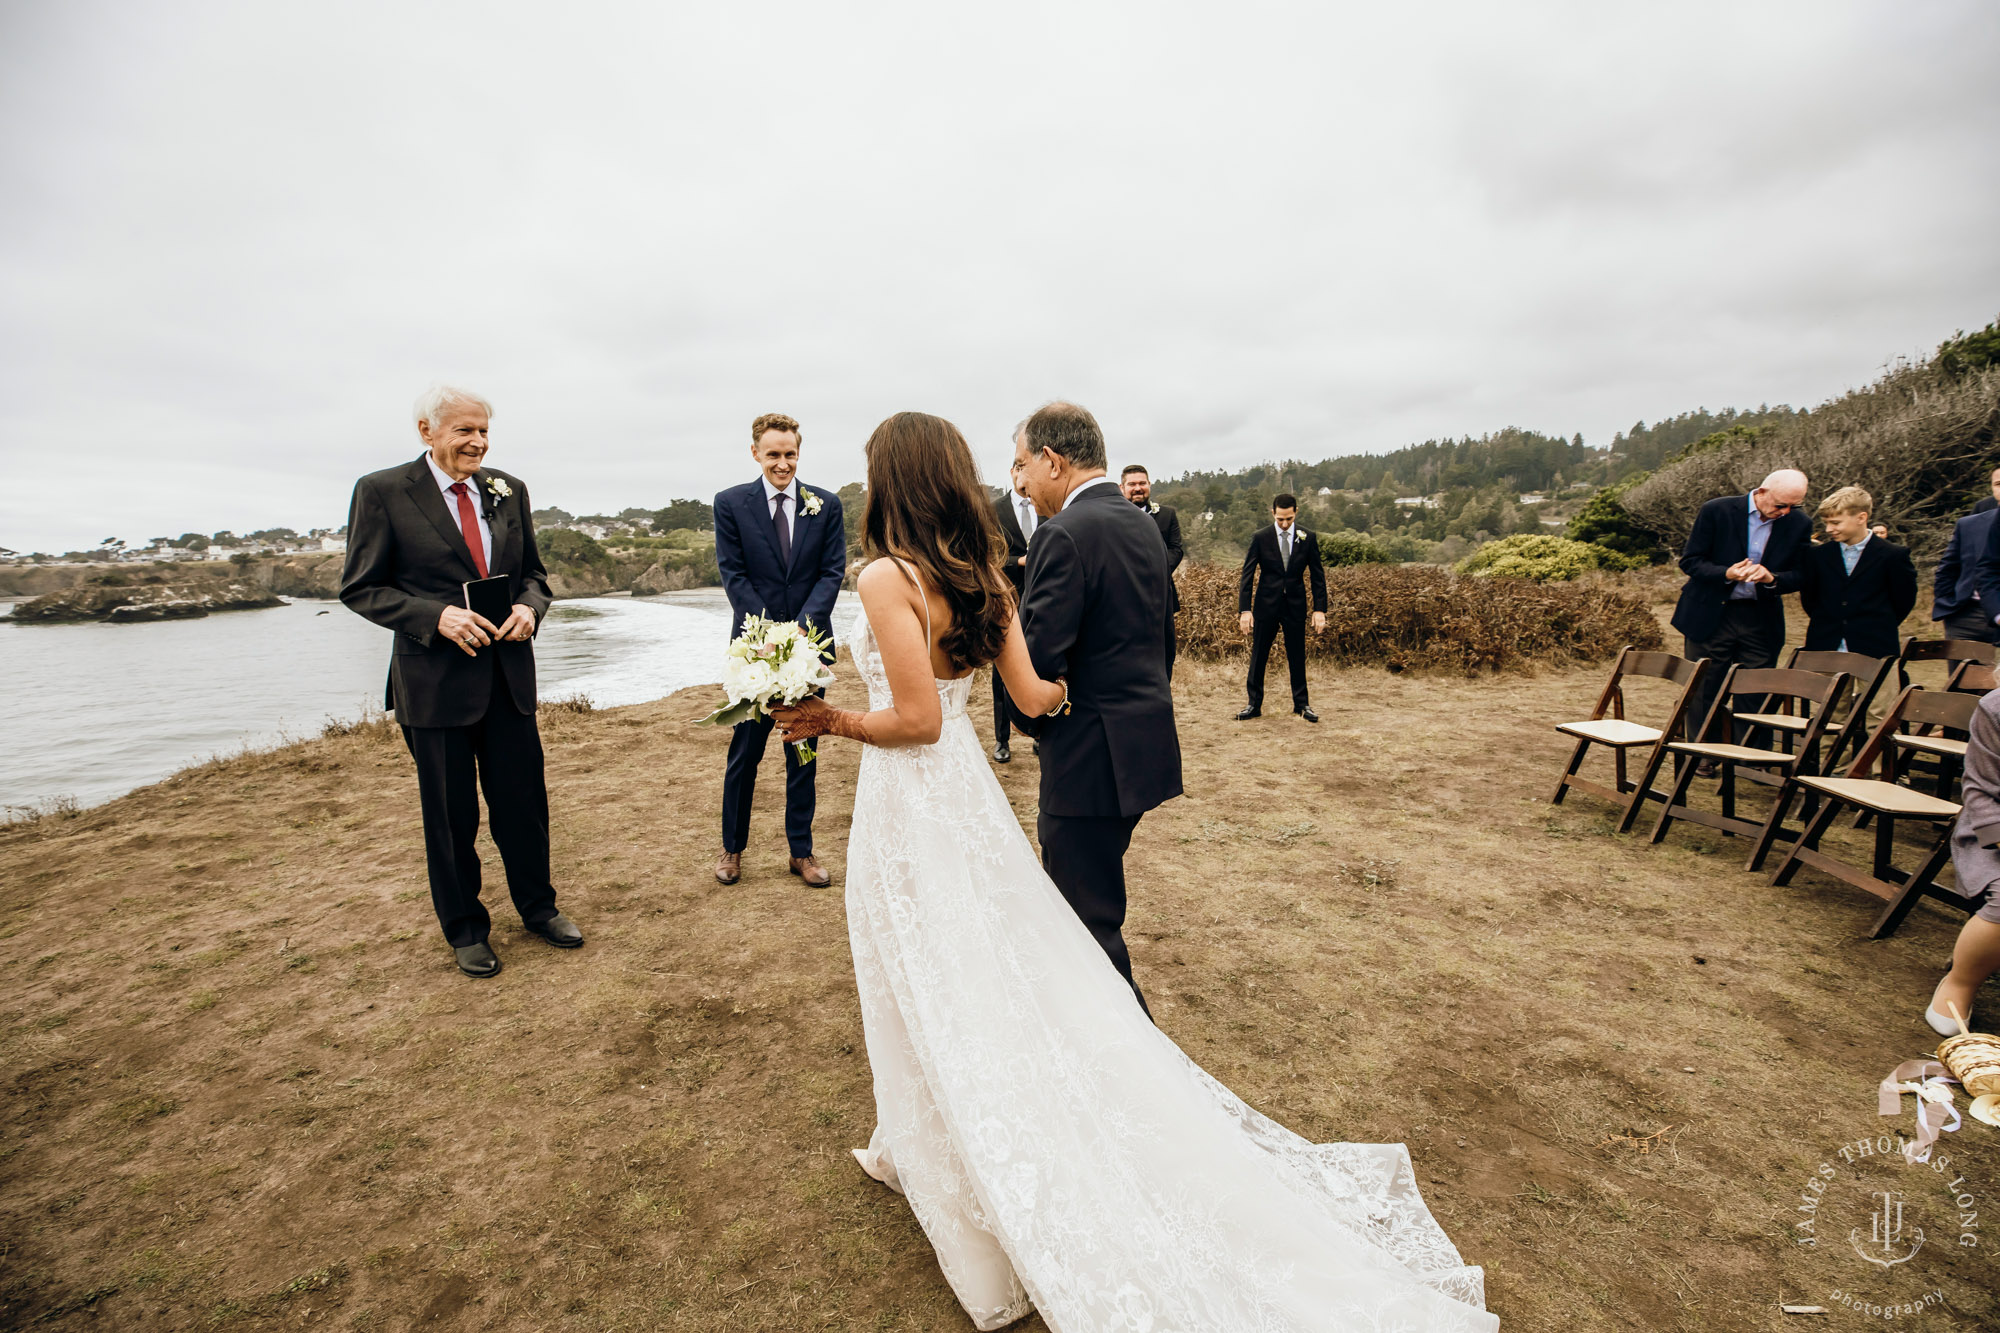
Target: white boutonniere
1152, 506
499, 487
811, 503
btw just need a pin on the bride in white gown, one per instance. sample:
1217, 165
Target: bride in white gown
1060, 1152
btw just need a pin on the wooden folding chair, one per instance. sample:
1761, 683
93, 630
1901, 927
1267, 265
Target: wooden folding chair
1972, 678
1620, 735
1949, 651
1888, 801
1822, 693
1869, 674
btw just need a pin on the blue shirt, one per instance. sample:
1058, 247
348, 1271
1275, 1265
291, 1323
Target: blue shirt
1850, 552
1760, 537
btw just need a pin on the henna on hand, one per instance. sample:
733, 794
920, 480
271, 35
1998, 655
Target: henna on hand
812, 718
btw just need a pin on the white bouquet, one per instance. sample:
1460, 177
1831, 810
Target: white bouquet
771, 664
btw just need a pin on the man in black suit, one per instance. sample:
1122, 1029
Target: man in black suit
462, 688
1986, 504
1744, 554
1858, 587
1137, 484
1018, 520
1286, 553
1094, 614
1955, 597
782, 550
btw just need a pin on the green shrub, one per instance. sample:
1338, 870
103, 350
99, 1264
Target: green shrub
1604, 521
1350, 548
1543, 557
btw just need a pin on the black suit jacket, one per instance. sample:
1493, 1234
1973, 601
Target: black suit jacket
758, 583
1169, 524
1865, 608
1955, 586
1721, 537
1095, 612
1017, 541
407, 561
1282, 589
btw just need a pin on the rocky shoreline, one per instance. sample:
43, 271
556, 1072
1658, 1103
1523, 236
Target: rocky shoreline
132, 605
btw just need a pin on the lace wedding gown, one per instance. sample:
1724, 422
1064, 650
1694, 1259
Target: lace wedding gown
1059, 1151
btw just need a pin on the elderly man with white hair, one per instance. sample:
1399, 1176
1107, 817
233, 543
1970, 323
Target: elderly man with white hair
1745, 553
427, 542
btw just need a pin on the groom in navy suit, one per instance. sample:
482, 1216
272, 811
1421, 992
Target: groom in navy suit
782, 550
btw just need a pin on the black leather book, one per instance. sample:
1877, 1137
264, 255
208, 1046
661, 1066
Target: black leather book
490, 598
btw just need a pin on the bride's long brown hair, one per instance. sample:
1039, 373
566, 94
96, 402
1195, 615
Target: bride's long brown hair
926, 504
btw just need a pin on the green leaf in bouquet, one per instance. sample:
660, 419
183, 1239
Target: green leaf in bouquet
730, 715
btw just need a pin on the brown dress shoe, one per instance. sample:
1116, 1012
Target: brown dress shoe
811, 871
729, 868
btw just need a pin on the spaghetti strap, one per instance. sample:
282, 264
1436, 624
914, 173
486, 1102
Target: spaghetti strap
917, 583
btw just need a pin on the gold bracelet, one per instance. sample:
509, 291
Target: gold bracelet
1062, 707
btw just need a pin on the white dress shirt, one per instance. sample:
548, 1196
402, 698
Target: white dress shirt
445, 482
771, 494
1077, 489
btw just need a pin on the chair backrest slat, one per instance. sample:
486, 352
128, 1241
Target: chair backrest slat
1941, 708
1809, 685
1947, 650
1659, 666
1972, 678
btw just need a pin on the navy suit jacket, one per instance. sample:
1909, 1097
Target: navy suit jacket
1957, 577
1721, 537
1865, 608
758, 583
1986, 574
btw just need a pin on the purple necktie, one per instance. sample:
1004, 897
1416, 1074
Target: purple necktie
784, 530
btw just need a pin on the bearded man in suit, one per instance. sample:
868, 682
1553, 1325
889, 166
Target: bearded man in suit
1018, 522
1285, 555
461, 687
1137, 484
782, 550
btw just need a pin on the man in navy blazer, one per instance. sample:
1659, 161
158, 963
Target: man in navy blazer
1742, 557
1955, 598
782, 550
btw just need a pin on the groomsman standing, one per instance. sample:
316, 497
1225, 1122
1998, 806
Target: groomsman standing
782, 550
1955, 596
1137, 484
1018, 519
1744, 554
462, 687
1285, 553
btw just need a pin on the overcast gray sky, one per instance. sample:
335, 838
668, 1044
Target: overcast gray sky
236, 239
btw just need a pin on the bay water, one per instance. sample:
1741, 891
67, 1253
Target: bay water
89, 712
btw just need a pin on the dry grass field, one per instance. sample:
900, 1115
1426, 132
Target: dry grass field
246, 1088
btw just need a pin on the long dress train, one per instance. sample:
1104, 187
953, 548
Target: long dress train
1059, 1151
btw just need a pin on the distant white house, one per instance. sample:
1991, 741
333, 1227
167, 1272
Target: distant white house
1533, 499
1326, 490
333, 543
1418, 501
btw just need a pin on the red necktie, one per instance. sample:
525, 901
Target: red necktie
468, 524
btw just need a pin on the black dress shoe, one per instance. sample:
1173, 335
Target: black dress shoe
1249, 713
1001, 754
477, 960
558, 930
1307, 713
